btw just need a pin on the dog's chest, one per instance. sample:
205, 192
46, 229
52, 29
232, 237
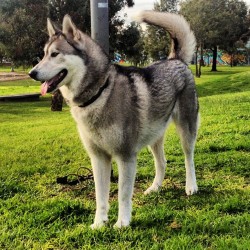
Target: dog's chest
108, 137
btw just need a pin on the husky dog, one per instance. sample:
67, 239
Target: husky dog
119, 110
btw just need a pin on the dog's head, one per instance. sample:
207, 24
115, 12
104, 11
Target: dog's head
66, 56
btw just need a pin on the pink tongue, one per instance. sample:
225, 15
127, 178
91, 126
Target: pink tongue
44, 88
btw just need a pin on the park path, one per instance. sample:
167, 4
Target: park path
12, 76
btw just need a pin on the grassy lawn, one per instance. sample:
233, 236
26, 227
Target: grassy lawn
38, 145
18, 69
24, 86
19, 87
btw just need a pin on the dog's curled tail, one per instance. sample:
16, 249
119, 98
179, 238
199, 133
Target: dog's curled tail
183, 39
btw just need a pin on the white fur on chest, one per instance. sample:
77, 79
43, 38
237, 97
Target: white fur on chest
107, 138
111, 137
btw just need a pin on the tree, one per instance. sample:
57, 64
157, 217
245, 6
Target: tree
236, 14
157, 41
186, 9
79, 10
130, 41
22, 29
216, 23
2, 52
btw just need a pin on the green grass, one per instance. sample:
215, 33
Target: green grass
226, 80
18, 69
19, 87
38, 145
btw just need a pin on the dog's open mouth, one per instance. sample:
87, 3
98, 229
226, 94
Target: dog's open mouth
51, 85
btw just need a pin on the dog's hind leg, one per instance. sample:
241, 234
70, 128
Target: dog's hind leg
160, 165
101, 164
186, 118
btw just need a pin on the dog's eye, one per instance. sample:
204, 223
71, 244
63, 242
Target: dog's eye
54, 54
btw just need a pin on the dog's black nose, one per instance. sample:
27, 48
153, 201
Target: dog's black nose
33, 74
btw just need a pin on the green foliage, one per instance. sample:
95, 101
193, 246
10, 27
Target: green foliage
79, 10
217, 23
130, 44
213, 21
157, 43
38, 145
23, 24
156, 40
23, 41
2, 51
167, 5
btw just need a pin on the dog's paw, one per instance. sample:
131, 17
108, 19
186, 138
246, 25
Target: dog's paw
121, 224
98, 225
152, 189
191, 189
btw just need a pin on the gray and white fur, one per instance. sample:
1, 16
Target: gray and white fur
119, 110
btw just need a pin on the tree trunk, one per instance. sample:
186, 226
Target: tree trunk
202, 63
231, 60
56, 101
196, 63
214, 68
208, 61
12, 67
199, 70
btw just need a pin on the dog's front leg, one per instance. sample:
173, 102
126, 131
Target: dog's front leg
127, 171
101, 164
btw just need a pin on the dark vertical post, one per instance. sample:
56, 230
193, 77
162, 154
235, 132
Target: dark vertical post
214, 68
100, 23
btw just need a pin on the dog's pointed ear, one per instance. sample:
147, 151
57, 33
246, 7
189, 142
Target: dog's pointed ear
51, 28
70, 29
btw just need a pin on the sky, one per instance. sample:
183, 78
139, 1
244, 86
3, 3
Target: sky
139, 5
147, 5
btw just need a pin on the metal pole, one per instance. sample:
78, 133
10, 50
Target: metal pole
100, 23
